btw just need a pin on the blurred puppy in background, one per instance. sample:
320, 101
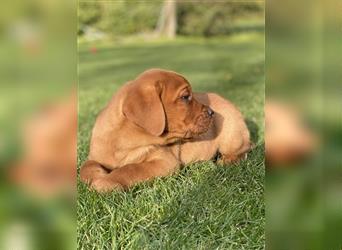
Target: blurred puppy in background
48, 164
287, 139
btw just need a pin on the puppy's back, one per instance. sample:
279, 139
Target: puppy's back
232, 133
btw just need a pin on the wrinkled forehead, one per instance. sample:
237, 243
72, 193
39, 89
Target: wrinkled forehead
171, 82
175, 83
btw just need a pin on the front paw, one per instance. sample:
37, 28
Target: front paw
231, 159
105, 185
91, 170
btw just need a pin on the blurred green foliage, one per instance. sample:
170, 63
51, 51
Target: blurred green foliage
119, 18
200, 18
216, 17
89, 13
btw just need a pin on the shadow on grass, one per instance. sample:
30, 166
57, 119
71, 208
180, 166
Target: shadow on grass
204, 206
223, 208
197, 62
253, 130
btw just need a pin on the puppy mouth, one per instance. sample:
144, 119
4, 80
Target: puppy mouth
201, 126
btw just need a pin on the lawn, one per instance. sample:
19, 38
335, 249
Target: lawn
203, 206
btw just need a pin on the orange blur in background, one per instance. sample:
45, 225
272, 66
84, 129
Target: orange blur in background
48, 164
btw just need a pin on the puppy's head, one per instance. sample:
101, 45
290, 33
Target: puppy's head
161, 102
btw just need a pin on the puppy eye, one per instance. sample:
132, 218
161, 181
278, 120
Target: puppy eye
186, 97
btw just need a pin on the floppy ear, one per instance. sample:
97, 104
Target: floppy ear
143, 106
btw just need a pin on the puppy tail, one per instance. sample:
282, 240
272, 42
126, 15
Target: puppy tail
92, 170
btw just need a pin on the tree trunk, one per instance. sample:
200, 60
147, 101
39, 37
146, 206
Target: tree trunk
167, 23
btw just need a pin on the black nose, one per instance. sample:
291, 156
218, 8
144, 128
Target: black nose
210, 112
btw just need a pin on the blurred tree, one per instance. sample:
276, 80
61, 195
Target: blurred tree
167, 23
168, 18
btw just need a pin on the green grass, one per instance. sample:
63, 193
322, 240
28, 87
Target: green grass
203, 206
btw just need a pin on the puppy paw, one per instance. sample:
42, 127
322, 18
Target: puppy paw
91, 170
231, 159
104, 185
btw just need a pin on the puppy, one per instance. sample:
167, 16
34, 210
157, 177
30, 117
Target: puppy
47, 167
155, 124
287, 140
